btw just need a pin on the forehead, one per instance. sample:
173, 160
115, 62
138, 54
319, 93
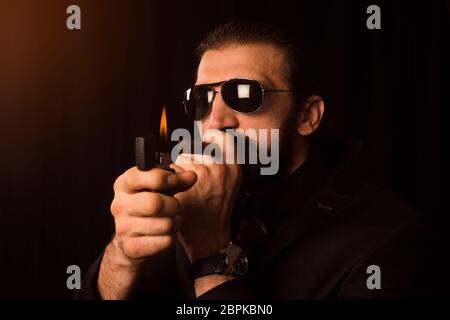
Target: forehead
262, 62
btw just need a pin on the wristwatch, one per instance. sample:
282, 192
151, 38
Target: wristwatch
230, 261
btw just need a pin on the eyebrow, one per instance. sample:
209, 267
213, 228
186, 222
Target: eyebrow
213, 84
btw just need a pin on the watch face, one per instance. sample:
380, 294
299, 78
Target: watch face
237, 259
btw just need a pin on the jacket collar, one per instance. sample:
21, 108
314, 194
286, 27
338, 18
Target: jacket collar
319, 190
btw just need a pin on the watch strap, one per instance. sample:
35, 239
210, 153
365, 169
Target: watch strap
214, 264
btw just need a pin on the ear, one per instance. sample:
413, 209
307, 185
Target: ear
310, 115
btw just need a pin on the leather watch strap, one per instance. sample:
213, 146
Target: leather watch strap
209, 265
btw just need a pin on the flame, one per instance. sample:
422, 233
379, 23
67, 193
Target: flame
163, 125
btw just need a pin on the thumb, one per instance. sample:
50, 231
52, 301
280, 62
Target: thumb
186, 179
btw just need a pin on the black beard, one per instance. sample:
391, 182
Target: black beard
253, 181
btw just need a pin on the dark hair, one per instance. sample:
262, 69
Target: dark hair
296, 63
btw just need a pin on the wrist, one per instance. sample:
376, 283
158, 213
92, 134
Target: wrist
206, 283
199, 252
117, 260
117, 275
230, 261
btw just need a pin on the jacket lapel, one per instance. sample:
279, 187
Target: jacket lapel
335, 195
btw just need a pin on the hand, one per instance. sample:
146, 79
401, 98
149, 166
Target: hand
206, 207
146, 223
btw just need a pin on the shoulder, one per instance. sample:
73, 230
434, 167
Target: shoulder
373, 220
394, 242
370, 203
384, 208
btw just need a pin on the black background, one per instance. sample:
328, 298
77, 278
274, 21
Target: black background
71, 103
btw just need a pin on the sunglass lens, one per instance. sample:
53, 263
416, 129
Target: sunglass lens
242, 95
197, 101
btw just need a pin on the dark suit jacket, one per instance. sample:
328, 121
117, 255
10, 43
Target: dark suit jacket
312, 236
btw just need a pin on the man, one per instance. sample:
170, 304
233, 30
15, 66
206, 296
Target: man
316, 230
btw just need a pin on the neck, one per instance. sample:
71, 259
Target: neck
258, 184
299, 154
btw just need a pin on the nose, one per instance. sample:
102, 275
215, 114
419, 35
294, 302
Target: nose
221, 116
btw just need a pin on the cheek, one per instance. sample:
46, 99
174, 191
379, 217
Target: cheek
270, 117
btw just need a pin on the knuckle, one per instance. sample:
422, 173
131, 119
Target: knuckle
131, 249
202, 172
122, 180
127, 179
116, 207
117, 183
121, 227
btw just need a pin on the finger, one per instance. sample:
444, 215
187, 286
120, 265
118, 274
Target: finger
148, 226
145, 204
176, 167
226, 143
134, 180
186, 179
193, 159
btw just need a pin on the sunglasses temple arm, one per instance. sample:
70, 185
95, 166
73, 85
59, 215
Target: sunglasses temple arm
277, 90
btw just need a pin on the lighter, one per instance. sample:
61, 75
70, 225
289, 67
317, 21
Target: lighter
150, 153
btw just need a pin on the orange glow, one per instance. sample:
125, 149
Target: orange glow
163, 125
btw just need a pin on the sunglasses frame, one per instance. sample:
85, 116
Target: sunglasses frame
222, 83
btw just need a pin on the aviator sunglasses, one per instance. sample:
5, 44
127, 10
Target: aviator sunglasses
241, 95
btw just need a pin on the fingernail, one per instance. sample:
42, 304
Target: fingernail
171, 180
